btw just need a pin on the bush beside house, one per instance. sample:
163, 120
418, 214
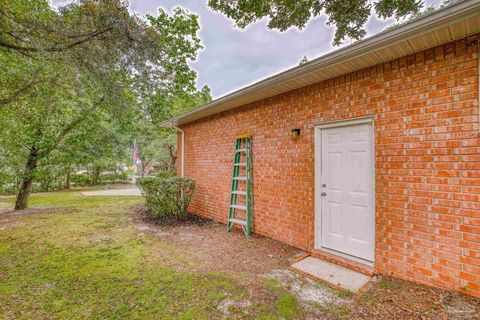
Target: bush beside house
167, 195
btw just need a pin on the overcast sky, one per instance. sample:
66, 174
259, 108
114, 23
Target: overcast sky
233, 58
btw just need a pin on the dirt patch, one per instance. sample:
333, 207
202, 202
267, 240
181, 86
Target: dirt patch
457, 305
5, 206
18, 213
13, 218
317, 300
217, 249
392, 298
10, 224
142, 216
229, 306
101, 239
309, 292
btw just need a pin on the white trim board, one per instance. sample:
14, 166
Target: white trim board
345, 122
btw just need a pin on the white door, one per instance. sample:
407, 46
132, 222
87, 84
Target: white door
345, 188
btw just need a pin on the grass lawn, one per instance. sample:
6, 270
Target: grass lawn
83, 258
78, 257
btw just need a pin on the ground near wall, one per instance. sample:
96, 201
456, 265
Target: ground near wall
72, 257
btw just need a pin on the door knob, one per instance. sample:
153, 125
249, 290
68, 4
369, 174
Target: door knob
324, 194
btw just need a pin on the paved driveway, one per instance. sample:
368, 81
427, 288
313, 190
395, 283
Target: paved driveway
114, 192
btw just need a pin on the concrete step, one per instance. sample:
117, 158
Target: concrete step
334, 274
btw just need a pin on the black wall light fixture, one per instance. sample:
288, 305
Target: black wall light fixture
295, 133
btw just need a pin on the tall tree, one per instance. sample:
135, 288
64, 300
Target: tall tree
158, 145
348, 16
63, 68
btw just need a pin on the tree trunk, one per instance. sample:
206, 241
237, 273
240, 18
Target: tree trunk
48, 183
173, 157
143, 167
26, 186
67, 180
43, 185
95, 176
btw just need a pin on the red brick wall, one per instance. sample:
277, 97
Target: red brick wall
426, 120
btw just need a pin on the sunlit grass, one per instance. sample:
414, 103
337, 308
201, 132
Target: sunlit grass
68, 198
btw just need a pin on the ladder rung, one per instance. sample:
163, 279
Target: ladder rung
240, 164
237, 206
238, 221
240, 178
243, 193
241, 150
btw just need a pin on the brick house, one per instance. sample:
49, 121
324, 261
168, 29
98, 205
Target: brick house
385, 174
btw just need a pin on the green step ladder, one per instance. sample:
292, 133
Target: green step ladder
240, 210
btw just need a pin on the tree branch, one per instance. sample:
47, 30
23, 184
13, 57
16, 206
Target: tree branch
18, 92
90, 37
61, 136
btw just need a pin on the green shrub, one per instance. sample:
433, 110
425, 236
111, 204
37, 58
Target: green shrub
80, 179
8, 183
84, 179
167, 196
165, 174
110, 178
